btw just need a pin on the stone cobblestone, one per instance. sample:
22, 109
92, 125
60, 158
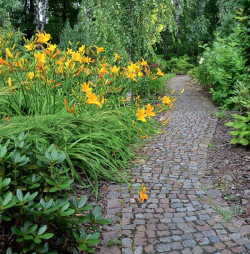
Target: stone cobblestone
179, 216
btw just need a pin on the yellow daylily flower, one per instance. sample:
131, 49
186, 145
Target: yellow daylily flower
52, 47
159, 73
99, 49
86, 88
30, 75
40, 58
117, 57
115, 69
30, 47
86, 59
8, 53
132, 67
82, 49
140, 74
43, 37
166, 100
132, 76
140, 113
93, 99
149, 111
76, 56
144, 63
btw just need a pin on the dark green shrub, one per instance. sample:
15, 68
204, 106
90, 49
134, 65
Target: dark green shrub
179, 65
36, 200
220, 68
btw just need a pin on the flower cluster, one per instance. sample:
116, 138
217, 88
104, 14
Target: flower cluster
46, 80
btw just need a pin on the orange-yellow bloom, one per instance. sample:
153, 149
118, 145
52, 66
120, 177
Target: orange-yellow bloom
166, 100
92, 99
115, 69
40, 58
103, 70
76, 56
43, 37
52, 48
116, 57
86, 60
144, 63
82, 49
30, 47
8, 53
3, 62
30, 75
132, 67
159, 73
149, 111
9, 82
99, 49
140, 74
86, 88
132, 76
143, 195
67, 106
140, 113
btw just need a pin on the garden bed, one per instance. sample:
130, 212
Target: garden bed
229, 167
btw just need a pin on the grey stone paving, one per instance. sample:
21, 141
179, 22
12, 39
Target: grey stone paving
179, 216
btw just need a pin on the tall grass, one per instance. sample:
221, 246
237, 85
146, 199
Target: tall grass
97, 146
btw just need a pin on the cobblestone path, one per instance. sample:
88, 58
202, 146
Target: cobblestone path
180, 215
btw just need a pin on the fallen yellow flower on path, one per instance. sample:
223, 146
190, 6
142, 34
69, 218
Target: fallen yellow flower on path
143, 195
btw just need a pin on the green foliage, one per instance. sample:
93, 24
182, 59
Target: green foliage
229, 214
97, 144
241, 96
159, 60
9, 38
35, 186
179, 65
61, 12
196, 22
7, 6
130, 28
242, 126
222, 66
67, 34
226, 14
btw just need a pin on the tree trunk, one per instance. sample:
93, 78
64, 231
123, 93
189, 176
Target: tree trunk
177, 5
41, 14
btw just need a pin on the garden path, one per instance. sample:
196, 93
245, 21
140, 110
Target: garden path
179, 216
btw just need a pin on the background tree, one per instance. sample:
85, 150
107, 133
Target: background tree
129, 27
